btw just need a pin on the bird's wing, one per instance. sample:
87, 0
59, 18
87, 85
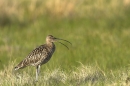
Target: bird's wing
35, 57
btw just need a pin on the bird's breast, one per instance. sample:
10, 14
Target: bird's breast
50, 51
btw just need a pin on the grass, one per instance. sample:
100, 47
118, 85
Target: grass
98, 30
78, 76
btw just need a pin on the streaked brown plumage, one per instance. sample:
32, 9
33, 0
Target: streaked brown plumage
40, 55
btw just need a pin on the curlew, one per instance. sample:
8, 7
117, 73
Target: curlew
40, 55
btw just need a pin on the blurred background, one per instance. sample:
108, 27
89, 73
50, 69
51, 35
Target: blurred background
99, 31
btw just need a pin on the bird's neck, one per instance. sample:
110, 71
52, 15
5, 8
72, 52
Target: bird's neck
50, 44
51, 47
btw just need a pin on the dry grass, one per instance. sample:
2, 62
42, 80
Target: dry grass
61, 8
83, 75
126, 2
30, 10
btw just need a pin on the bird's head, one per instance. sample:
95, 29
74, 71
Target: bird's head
50, 39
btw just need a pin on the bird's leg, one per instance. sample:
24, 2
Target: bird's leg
37, 72
38, 69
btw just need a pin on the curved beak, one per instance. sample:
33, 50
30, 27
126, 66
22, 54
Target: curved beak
56, 39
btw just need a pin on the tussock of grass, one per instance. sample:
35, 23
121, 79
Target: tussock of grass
87, 74
54, 77
83, 75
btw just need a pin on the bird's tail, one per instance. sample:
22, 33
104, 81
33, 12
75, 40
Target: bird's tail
19, 66
16, 68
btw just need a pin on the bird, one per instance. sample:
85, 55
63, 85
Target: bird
40, 55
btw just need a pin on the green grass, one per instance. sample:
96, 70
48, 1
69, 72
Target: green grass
105, 46
99, 36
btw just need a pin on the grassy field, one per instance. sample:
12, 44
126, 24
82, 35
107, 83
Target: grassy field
98, 30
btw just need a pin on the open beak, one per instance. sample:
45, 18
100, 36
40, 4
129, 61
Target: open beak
56, 39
